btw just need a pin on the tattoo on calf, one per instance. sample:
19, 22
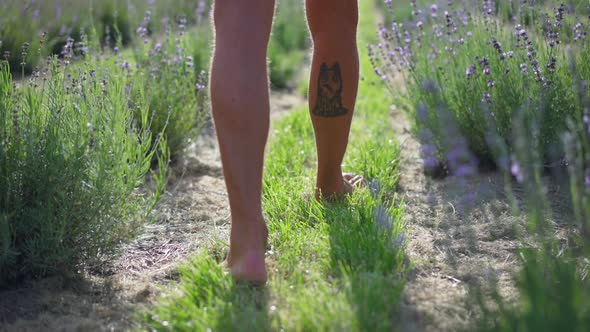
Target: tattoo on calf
329, 99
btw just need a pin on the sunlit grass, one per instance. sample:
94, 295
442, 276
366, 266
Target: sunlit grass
332, 266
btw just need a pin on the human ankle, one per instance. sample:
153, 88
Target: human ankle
330, 184
248, 236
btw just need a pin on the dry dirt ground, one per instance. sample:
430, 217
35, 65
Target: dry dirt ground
462, 232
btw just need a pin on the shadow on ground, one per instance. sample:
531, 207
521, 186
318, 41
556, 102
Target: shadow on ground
463, 236
63, 304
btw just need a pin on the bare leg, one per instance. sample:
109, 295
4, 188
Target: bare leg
240, 103
333, 88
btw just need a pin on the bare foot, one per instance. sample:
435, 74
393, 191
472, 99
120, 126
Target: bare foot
245, 260
339, 190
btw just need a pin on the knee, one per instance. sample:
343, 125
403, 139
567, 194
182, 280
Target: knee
238, 17
329, 19
243, 27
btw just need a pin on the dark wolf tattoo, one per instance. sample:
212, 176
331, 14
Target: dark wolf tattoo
329, 100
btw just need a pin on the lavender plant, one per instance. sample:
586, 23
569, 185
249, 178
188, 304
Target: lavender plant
175, 81
482, 86
553, 283
289, 40
25, 21
465, 59
72, 165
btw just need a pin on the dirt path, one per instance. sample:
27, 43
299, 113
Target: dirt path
194, 213
461, 232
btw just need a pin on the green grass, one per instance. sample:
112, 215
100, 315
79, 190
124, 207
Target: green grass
332, 267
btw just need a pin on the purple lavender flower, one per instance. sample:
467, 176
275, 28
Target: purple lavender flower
58, 12
579, 32
158, 47
465, 170
201, 9
470, 71
428, 153
587, 179
142, 31
422, 112
586, 119
487, 98
516, 171
461, 161
484, 62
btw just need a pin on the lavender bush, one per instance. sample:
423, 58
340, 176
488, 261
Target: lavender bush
553, 283
289, 43
173, 67
510, 87
483, 71
72, 162
79, 137
59, 20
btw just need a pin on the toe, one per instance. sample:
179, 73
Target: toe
354, 179
349, 176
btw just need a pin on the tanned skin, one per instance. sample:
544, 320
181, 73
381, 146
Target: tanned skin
241, 111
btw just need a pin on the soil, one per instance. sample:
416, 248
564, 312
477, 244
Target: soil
460, 232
